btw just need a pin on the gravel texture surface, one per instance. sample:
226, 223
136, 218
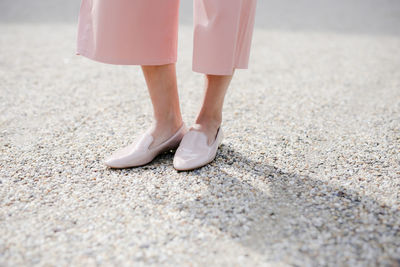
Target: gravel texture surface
308, 173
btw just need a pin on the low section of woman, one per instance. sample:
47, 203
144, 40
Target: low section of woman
137, 32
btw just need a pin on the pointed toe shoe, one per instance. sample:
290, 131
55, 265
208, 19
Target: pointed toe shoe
194, 151
138, 153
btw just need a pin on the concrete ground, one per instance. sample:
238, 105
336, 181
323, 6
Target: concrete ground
307, 175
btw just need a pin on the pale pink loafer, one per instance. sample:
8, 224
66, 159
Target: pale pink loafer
138, 153
194, 152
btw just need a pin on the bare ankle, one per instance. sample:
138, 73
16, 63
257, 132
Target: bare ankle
171, 120
209, 122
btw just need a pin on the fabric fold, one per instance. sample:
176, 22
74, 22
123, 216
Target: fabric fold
145, 32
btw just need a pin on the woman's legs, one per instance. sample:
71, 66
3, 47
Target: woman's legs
162, 87
210, 116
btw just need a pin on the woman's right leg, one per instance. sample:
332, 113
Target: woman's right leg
138, 32
162, 87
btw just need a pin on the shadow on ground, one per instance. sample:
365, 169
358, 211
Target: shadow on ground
296, 219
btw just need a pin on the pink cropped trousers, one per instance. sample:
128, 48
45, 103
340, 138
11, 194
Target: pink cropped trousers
145, 32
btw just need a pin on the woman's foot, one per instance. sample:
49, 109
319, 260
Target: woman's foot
139, 152
194, 151
208, 126
161, 131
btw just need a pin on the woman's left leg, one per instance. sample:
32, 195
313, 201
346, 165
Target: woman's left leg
199, 145
209, 118
223, 32
222, 39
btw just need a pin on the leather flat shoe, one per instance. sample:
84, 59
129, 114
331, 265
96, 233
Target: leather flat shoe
194, 151
138, 153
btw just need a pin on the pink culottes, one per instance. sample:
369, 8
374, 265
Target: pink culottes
145, 32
